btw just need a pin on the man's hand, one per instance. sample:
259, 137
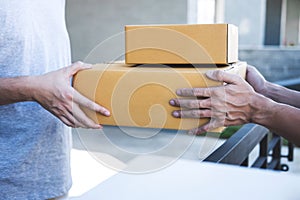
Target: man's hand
256, 80
234, 103
54, 92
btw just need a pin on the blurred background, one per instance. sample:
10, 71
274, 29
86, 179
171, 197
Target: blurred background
269, 38
269, 30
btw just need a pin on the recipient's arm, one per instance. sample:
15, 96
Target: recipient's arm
237, 103
53, 91
276, 92
281, 118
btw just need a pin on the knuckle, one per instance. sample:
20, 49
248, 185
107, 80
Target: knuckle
195, 113
216, 93
217, 115
219, 74
68, 107
90, 105
238, 79
69, 95
195, 91
65, 72
182, 113
208, 92
220, 115
200, 104
188, 92
78, 63
60, 108
208, 103
191, 104
203, 104
177, 102
206, 113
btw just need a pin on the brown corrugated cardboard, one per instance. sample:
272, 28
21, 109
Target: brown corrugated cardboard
181, 44
139, 96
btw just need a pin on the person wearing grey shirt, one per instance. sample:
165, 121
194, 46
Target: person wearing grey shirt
37, 100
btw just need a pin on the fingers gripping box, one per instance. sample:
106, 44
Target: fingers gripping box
139, 95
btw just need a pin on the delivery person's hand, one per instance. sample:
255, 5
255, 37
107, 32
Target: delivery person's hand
54, 92
234, 103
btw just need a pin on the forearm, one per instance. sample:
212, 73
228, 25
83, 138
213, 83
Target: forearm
14, 90
53, 92
282, 95
282, 119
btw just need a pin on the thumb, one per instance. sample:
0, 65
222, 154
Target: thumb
222, 76
78, 66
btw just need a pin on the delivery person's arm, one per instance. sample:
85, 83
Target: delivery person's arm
53, 91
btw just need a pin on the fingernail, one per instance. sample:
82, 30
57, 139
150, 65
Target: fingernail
107, 113
178, 92
99, 126
176, 114
210, 73
88, 65
172, 102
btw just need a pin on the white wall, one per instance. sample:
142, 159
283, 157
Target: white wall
249, 16
292, 23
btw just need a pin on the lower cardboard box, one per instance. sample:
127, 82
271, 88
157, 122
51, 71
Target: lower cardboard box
139, 96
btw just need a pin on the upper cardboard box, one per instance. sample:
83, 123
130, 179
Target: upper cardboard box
181, 44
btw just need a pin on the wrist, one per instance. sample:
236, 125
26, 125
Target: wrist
261, 109
274, 92
263, 88
16, 89
31, 86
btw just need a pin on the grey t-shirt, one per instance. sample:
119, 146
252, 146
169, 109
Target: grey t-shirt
34, 145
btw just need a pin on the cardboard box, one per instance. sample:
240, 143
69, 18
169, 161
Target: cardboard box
139, 96
181, 44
